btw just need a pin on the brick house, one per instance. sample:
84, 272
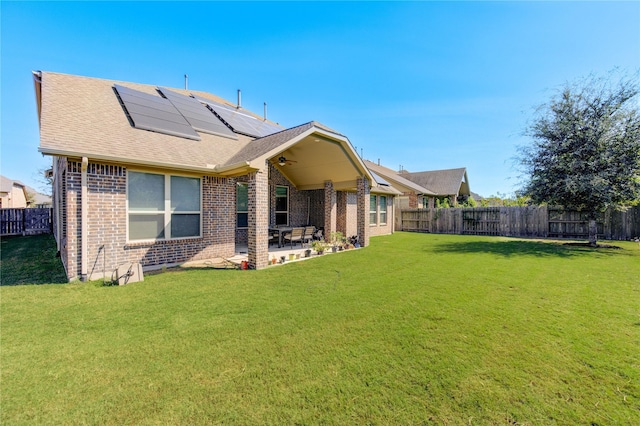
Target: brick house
449, 183
411, 195
164, 176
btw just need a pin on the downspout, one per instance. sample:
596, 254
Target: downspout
84, 243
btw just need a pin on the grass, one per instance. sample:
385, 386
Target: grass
30, 260
414, 329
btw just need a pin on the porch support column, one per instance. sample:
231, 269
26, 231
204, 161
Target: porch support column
364, 202
330, 209
258, 218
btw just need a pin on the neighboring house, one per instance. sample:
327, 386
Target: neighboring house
412, 195
40, 200
451, 183
164, 176
13, 194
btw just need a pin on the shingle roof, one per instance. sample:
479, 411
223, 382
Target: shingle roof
77, 113
396, 178
263, 145
442, 182
6, 184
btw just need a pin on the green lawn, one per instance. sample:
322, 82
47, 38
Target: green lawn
413, 329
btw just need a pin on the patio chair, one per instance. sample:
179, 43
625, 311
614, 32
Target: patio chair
308, 234
295, 236
273, 237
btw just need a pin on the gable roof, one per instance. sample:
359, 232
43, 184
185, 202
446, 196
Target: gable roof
400, 183
145, 125
442, 182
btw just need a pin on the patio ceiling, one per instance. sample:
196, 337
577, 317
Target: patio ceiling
316, 159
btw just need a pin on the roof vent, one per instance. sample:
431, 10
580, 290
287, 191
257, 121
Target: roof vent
239, 99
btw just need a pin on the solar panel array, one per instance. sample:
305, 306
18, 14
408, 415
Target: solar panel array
198, 116
240, 122
155, 113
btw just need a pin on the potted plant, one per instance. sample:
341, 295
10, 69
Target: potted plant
319, 246
307, 252
336, 240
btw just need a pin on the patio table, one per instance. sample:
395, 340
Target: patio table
280, 230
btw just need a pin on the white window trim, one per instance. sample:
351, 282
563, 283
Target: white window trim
380, 222
167, 209
372, 211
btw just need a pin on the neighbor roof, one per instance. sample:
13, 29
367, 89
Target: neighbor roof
396, 179
442, 182
6, 184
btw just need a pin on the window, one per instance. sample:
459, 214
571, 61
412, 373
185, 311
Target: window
282, 205
373, 210
383, 209
242, 205
163, 206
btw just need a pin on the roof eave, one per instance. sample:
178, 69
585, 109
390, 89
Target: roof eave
37, 82
215, 170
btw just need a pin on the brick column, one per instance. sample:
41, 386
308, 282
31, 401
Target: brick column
341, 212
363, 211
258, 242
330, 209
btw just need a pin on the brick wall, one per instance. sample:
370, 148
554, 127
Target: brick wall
347, 213
107, 224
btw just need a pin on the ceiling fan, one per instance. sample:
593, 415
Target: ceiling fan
282, 161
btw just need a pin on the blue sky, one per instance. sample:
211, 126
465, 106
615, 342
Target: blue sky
425, 85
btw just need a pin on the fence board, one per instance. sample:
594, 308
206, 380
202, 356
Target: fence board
25, 221
527, 221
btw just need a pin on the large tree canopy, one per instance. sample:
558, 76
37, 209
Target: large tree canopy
585, 149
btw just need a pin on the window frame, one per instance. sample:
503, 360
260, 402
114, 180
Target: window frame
238, 211
380, 212
275, 207
168, 211
373, 209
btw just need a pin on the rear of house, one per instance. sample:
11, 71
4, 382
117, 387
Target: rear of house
164, 176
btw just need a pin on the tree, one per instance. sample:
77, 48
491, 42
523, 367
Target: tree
585, 149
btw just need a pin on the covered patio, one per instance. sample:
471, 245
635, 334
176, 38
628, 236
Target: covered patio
306, 175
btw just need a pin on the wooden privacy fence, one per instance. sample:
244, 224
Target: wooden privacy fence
535, 221
25, 221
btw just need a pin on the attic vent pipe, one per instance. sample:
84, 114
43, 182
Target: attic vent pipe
186, 82
265, 111
239, 99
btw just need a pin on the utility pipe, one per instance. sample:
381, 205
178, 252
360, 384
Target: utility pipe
84, 218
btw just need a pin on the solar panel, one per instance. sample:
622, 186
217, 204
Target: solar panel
198, 115
379, 179
154, 113
241, 122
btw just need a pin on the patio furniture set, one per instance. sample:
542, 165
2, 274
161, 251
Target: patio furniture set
294, 235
